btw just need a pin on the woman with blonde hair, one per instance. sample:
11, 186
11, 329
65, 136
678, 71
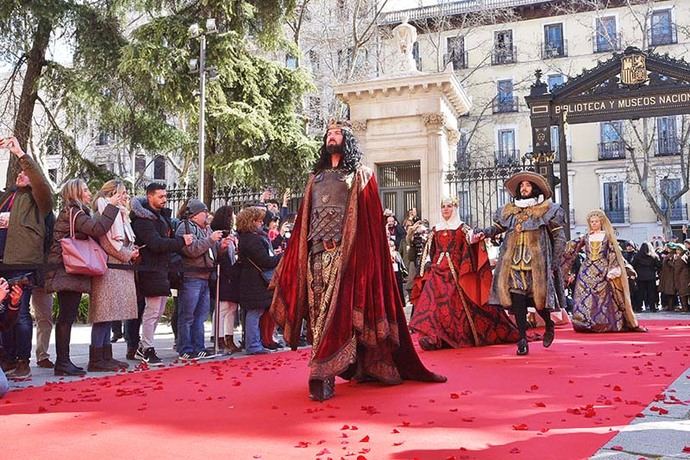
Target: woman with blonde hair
258, 259
113, 295
75, 198
601, 298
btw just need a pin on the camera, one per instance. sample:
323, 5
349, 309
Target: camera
225, 233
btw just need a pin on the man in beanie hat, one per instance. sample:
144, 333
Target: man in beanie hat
337, 275
194, 301
528, 272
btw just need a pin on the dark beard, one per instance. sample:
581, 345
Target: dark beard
334, 148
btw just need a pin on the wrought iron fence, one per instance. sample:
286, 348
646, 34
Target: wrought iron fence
552, 50
504, 55
481, 191
237, 197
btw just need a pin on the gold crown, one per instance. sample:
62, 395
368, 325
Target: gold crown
450, 199
338, 124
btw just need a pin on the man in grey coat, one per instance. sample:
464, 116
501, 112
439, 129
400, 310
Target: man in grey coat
528, 272
194, 296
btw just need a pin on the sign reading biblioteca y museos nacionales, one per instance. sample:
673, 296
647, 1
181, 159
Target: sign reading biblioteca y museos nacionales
630, 85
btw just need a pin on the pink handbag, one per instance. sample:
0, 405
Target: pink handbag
82, 257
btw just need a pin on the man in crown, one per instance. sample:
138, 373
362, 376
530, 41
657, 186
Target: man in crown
337, 276
528, 272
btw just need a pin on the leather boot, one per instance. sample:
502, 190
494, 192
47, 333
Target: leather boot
321, 390
550, 331
230, 344
222, 347
63, 365
96, 361
519, 309
108, 357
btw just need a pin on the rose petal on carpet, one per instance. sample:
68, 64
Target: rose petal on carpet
564, 402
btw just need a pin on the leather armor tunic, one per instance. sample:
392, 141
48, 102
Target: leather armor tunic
329, 199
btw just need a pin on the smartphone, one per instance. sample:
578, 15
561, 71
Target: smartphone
21, 280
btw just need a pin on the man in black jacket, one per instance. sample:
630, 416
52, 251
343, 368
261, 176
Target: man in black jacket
157, 242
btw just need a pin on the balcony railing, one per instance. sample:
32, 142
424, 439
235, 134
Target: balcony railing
606, 43
618, 216
458, 58
679, 212
667, 146
554, 50
507, 157
660, 35
612, 150
505, 104
504, 55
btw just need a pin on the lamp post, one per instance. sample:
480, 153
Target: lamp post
200, 66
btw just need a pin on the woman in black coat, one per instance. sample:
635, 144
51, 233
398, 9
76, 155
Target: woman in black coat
228, 283
647, 264
258, 259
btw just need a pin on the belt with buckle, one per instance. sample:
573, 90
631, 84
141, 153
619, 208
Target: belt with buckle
324, 245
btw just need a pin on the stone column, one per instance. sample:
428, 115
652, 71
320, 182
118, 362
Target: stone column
432, 181
359, 127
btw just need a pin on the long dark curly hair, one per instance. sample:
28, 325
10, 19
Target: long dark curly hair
352, 155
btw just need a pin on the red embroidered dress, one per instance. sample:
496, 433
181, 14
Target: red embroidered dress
451, 309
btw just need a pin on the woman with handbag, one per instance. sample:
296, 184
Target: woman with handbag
113, 295
76, 228
228, 292
258, 260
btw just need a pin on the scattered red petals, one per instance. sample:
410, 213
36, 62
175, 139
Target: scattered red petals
617, 448
520, 427
514, 450
454, 396
364, 439
686, 449
324, 452
395, 431
42, 409
539, 404
617, 388
303, 444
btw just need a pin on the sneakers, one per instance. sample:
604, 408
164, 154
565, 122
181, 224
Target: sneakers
205, 354
187, 357
148, 356
21, 372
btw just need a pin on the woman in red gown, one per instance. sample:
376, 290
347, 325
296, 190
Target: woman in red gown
450, 299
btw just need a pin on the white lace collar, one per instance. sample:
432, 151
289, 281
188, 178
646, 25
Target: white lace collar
527, 202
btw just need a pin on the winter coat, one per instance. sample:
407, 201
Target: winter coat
26, 229
254, 293
84, 226
196, 255
681, 275
154, 229
667, 283
228, 285
646, 266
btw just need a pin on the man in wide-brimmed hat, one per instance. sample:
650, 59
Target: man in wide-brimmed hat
528, 272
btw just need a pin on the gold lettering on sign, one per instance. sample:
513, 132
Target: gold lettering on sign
624, 104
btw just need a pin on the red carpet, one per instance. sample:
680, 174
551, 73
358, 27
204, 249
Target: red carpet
564, 403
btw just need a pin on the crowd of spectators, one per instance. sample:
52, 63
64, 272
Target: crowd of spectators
156, 263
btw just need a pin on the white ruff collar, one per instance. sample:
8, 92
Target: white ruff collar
451, 224
527, 202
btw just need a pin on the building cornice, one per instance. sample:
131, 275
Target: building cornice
445, 82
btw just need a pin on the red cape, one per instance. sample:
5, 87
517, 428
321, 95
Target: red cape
367, 322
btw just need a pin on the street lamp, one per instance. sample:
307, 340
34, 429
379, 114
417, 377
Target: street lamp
199, 65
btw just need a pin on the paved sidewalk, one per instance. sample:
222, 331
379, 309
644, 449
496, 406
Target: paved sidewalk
79, 353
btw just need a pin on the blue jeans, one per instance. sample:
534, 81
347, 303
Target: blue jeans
17, 339
100, 334
194, 305
4, 384
251, 328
